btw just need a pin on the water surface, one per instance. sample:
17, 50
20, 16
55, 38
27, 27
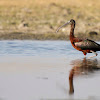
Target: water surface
36, 48
40, 70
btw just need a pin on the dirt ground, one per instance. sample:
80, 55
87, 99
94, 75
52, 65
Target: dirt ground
33, 19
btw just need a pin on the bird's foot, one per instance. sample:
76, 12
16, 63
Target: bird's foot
93, 55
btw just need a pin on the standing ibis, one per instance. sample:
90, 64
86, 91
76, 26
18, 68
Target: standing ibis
84, 45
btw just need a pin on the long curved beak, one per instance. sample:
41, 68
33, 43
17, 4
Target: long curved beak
62, 26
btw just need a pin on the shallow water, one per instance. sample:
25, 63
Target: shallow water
40, 70
36, 48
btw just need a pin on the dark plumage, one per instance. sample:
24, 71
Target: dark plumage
88, 45
84, 45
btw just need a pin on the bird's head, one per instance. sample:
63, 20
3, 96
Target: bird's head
71, 22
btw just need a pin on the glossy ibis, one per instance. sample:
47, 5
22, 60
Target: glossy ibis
84, 45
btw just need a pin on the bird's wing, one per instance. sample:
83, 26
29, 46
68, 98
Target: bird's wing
88, 45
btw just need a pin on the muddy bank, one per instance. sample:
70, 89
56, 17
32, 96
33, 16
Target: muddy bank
21, 35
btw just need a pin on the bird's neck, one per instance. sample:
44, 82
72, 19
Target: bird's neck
72, 32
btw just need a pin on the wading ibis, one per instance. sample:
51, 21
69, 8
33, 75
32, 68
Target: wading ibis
84, 45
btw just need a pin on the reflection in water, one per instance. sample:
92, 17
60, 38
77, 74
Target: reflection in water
82, 67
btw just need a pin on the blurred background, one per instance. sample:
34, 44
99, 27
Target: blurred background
39, 19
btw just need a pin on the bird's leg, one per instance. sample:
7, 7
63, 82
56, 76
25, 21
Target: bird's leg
93, 55
84, 54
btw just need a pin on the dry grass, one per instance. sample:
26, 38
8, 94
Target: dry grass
44, 16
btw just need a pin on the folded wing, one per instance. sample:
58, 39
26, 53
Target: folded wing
88, 45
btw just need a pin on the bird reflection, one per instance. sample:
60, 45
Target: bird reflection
82, 67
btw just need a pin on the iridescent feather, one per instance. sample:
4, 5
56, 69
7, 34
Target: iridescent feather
88, 45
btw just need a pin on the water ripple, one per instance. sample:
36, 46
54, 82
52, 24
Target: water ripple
37, 48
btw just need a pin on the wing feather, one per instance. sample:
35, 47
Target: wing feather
88, 45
